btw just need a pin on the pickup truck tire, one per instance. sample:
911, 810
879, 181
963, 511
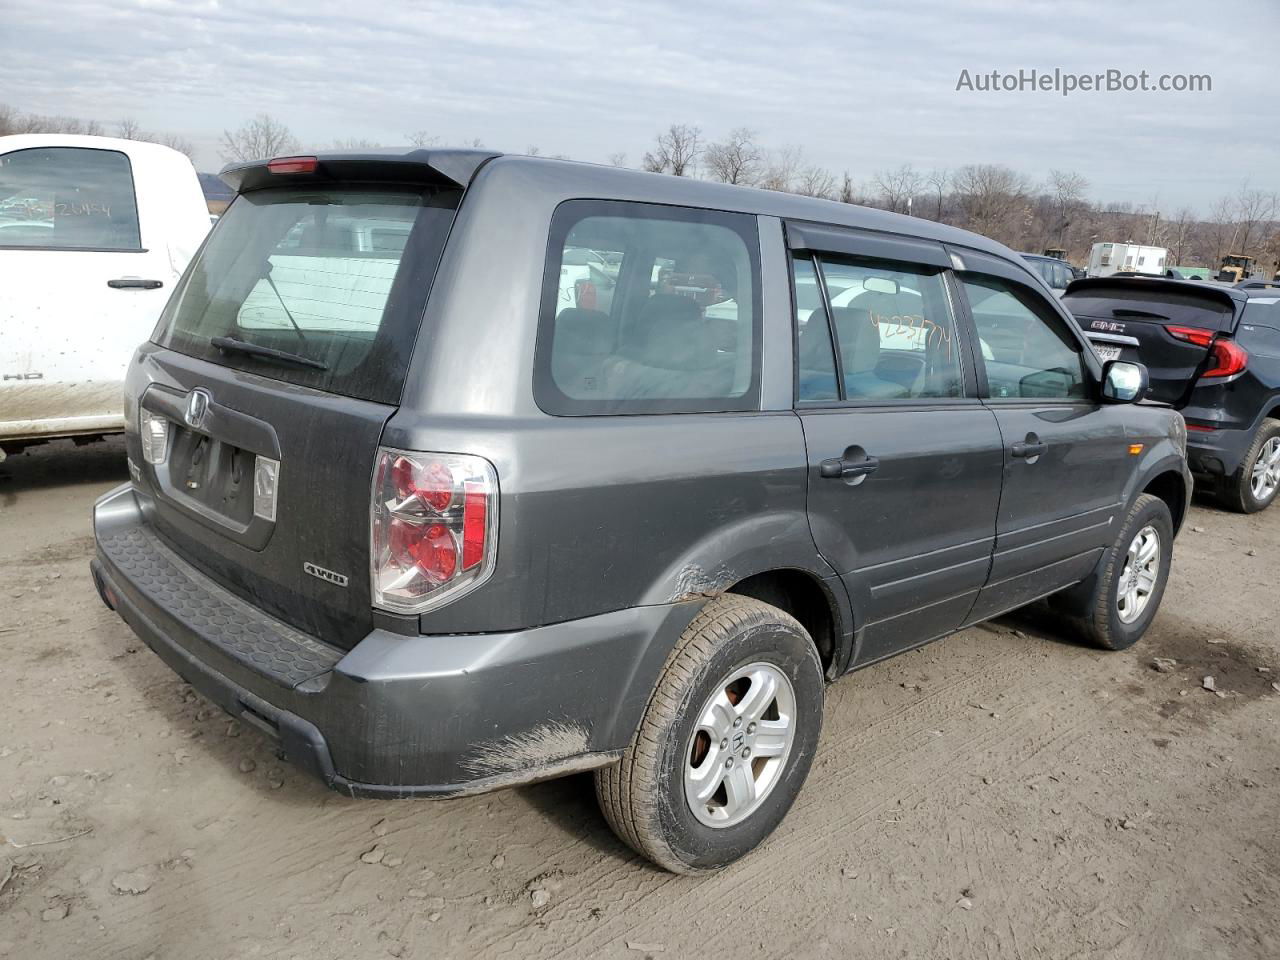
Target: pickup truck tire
1237, 491
1098, 605
734, 644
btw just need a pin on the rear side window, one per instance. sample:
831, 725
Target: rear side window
337, 277
68, 198
1025, 351
649, 309
894, 330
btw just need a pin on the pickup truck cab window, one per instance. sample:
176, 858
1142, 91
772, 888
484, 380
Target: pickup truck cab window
68, 198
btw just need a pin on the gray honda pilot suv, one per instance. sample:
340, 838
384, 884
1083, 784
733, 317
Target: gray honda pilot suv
452, 471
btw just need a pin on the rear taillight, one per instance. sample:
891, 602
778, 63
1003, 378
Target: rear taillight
434, 528
1226, 359
1197, 335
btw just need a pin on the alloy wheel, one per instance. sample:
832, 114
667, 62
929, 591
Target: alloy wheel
740, 745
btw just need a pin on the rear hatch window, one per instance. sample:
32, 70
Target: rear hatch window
1168, 330
321, 287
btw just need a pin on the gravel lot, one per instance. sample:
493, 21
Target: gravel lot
1002, 793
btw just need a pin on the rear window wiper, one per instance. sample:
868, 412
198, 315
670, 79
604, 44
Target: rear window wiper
231, 345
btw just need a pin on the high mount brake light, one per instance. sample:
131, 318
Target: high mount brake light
1226, 359
292, 165
433, 528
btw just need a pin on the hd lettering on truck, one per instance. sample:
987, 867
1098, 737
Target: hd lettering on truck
603, 471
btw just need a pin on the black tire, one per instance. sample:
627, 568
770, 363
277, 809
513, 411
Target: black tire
1093, 604
1236, 491
643, 796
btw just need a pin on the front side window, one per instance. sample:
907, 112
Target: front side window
894, 330
1024, 350
68, 198
649, 309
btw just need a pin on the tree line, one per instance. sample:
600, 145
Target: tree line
1052, 211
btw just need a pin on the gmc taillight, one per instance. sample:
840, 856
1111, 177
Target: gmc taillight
434, 528
1226, 359
1197, 335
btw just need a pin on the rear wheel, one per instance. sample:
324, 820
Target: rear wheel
725, 743
1254, 486
1116, 605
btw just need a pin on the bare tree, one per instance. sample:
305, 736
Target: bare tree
993, 200
898, 187
1252, 207
937, 181
676, 151
422, 138
1068, 189
263, 136
354, 143
1180, 234
814, 181
735, 159
846, 189
618, 159
781, 168
129, 129
1222, 229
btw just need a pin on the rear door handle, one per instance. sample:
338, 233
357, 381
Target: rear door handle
134, 283
846, 468
1030, 448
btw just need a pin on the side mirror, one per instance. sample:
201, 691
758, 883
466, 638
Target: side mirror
1123, 382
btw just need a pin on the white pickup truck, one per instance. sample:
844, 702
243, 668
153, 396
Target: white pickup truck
94, 234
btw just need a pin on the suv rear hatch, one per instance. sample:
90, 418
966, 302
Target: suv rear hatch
1173, 327
279, 358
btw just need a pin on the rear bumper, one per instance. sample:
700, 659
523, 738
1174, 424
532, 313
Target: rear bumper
1217, 453
397, 715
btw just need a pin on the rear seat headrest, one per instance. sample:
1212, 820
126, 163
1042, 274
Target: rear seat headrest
670, 334
584, 332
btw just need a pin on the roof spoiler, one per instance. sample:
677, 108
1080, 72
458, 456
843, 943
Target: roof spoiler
1207, 289
445, 167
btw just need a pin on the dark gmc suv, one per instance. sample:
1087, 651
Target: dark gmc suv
1213, 352
452, 471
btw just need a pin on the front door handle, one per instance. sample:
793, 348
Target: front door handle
853, 469
1029, 449
134, 283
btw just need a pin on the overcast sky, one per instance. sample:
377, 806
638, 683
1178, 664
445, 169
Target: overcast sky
860, 86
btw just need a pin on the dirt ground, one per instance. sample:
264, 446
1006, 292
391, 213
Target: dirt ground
1001, 794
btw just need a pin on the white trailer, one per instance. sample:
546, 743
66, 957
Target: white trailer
1108, 258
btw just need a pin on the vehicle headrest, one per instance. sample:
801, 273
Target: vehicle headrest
584, 332
669, 333
859, 339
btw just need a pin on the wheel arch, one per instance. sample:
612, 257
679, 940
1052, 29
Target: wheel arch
814, 602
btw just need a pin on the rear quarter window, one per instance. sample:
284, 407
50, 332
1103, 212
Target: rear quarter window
648, 309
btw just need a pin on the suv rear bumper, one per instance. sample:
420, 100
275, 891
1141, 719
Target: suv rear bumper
396, 715
1217, 453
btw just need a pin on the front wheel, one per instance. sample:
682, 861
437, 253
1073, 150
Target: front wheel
726, 740
1116, 605
1254, 486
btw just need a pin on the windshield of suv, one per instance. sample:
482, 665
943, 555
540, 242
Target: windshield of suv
336, 276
